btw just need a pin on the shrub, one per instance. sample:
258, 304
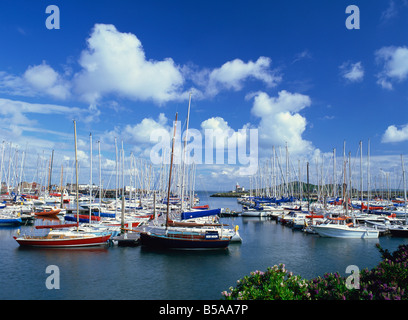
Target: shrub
387, 281
274, 284
331, 287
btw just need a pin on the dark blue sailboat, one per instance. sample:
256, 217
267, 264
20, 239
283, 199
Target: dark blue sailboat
182, 238
183, 235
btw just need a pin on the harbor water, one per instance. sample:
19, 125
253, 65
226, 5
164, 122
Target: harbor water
139, 273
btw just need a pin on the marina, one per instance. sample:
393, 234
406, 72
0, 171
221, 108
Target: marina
143, 273
166, 151
151, 231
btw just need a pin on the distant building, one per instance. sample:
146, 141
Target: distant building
239, 189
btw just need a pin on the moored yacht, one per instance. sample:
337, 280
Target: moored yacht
339, 228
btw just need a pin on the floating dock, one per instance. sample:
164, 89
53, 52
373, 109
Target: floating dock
127, 239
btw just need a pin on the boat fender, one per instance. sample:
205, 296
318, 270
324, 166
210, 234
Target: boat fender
236, 228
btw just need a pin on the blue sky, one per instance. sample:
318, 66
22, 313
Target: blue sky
289, 69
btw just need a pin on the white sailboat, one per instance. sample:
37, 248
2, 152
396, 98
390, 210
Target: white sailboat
339, 228
252, 212
402, 231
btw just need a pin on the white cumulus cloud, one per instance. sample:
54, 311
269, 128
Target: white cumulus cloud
37, 80
281, 121
395, 65
394, 134
232, 75
140, 132
222, 130
115, 62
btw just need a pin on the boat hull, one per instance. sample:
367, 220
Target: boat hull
62, 243
51, 213
81, 218
250, 213
350, 233
10, 222
166, 242
396, 232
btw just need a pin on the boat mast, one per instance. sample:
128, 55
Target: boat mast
9, 169
90, 179
171, 167
1, 167
123, 170
298, 184
308, 187
100, 177
287, 170
405, 188
350, 181
123, 188
344, 196
116, 178
361, 174
274, 173
76, 174
334, 174
49, 177
61, 191
22, 169
193, 175
184, 155
343, 189
368, 177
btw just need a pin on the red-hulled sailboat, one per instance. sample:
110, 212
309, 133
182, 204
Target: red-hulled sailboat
63, 239
66, 238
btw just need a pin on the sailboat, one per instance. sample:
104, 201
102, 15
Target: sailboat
341, 227
402, 230
66, 238
182, 235
8, 220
